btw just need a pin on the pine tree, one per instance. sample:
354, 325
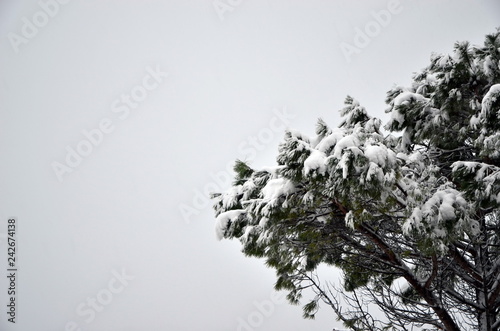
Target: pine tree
411, 217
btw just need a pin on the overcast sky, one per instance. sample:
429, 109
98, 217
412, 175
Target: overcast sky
117, 116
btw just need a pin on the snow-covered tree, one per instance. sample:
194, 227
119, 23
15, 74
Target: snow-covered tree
411, 217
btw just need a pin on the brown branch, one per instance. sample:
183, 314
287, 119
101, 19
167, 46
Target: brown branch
444, 316
340, 206
434, 272
465, 265
494, 295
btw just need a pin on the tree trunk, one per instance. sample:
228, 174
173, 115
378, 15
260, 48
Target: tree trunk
429, 297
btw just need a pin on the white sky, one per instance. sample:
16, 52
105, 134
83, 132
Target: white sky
119, 209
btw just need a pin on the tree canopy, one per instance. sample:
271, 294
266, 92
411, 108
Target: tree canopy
408, 211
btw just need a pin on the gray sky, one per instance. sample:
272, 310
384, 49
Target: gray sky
117, 116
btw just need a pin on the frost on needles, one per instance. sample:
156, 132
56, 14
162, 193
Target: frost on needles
411, 217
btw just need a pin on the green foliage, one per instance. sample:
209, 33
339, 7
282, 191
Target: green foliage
410, 295
243, 172
310, 309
